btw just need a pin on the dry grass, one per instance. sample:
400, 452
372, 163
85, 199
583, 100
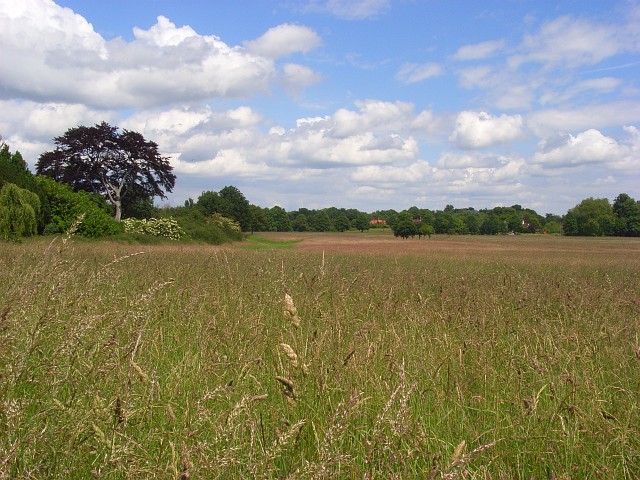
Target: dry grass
510, 357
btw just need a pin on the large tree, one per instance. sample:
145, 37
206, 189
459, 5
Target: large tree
104, 160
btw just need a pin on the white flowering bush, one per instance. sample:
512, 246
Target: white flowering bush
225, 223
158, 227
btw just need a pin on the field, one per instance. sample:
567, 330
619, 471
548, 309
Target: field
321, 356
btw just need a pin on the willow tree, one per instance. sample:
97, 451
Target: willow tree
103, 160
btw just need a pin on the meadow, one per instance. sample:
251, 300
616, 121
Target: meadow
308, 356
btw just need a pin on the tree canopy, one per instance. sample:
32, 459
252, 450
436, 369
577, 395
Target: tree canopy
104, 160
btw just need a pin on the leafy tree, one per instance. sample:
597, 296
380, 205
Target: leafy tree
405, 226
229, 202
259, 220
592, 217
361, 222
67, 206
341, 222
492, 225
278, 220
553, 227
300, 223
320, 222
18, 211
103, 160
627, 211
426, 230
237, 206
13, 169
210, 202
471, 222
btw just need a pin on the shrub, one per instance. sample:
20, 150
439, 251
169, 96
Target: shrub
230, 227
214, 229
67, 206
157, 227
19, 209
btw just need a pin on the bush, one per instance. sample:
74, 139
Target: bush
230, 227
67, 206
214, 229
19, 209
157, 227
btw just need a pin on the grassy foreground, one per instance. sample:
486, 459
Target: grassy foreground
122, 361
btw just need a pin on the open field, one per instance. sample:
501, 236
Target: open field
450, 357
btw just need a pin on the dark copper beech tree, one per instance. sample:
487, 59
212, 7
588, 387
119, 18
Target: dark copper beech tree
103, 160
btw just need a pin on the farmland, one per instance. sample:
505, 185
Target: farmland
321, 356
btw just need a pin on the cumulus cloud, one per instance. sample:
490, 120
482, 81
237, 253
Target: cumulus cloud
284, 40
56, 56
479, 51
164, 33
413, 73
481, 130
589, 147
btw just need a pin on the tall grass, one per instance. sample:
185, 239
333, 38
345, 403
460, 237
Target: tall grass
185, 362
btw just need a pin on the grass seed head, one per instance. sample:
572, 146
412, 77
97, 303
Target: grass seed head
290, 310
291, 354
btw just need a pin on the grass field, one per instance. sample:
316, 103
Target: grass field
322, 356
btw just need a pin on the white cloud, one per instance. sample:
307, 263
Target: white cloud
479, 51
589, 147
413, 73
56, 56
164, 33
297, 77
570, 42
546, 122
481, 130
284, 40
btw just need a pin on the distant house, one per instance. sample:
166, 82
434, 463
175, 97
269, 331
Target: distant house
377, 221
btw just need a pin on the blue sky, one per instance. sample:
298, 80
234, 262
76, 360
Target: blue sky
367, 104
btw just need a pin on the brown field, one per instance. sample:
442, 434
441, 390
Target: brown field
512, 248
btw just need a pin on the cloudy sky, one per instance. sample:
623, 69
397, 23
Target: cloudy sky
367, 104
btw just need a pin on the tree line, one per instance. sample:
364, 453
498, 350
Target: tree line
104, 175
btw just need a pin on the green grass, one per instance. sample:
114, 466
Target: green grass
120, 361
257, 242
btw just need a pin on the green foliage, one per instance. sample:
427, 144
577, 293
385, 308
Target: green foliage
300, 223
361, 222
627, 211
19, 209
320, 222
229, 202
66, 206
405, 227
259, 221
592, 217
228, 225
214, 229
157, 227
426, 230
278, 220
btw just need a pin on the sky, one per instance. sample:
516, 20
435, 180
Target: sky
367, 104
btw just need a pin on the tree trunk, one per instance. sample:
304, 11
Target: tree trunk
118, 205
